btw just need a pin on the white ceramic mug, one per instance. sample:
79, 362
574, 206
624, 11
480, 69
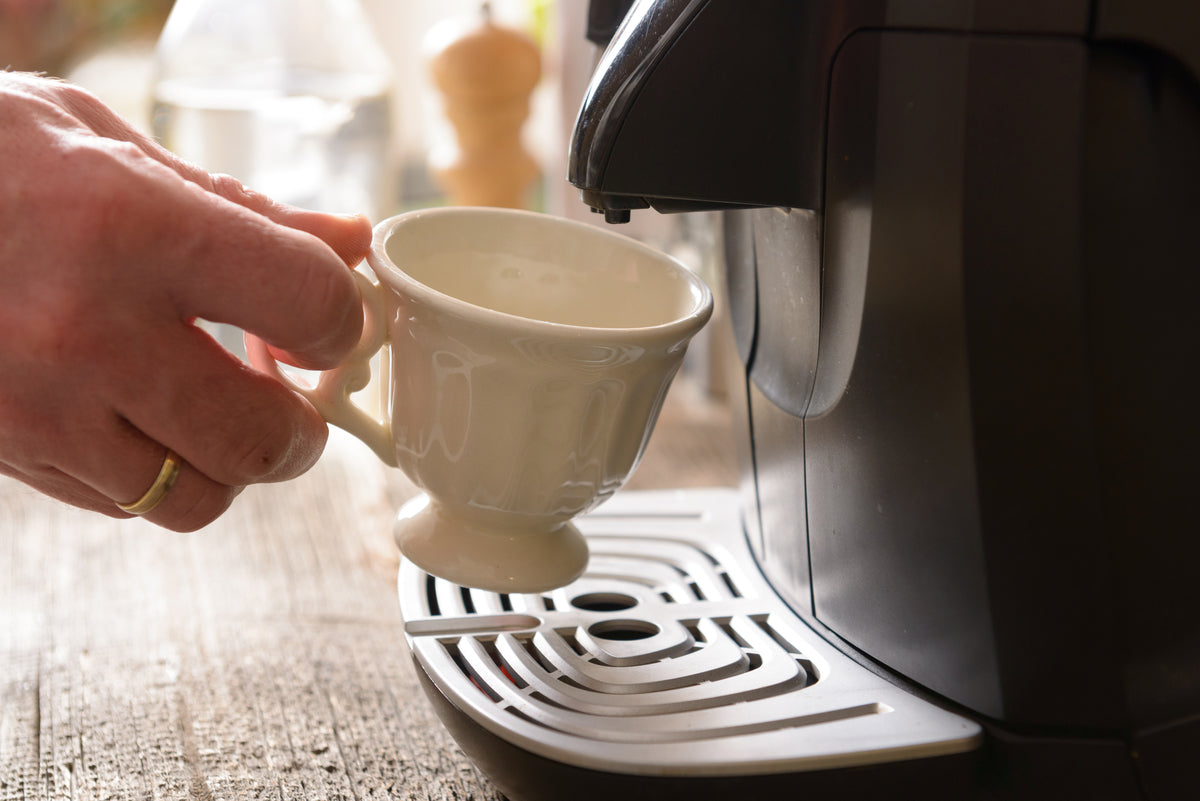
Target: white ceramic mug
530, 356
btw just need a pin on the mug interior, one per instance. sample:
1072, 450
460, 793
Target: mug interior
540, 267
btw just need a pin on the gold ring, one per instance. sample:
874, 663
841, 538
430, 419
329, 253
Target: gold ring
158, 490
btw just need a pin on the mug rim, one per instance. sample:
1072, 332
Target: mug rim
384, 269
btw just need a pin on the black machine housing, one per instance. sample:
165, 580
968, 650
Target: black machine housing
962, 259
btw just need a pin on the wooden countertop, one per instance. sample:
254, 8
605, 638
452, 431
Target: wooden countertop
260, 658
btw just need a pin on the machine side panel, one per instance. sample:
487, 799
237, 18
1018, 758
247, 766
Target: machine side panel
895, 542
1143, 198
1052, 571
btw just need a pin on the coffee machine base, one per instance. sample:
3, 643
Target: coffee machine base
670, 669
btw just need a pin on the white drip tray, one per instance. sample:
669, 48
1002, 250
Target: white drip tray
670, 656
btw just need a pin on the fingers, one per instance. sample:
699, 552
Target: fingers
192, 502
349, 236
184, 247
176, 388
62, 487
121, 246
133, 463
241, 428
276, 282
116, 463
278, 271
230, 422
264, 266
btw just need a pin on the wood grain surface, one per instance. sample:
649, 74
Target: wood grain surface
260, 658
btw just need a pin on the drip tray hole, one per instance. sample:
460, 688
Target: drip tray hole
604, 601
623, 630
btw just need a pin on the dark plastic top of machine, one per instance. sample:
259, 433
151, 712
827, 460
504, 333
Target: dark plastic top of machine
693, 106
604, 17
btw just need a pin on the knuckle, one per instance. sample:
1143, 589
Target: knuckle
328, 302
115, 207
83, 105
197, 511
262, 458
232, 189
268, 450
71, 96
58, 333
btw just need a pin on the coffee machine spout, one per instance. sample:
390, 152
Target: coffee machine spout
687, 111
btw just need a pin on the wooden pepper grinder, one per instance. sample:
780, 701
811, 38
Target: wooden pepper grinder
486, 74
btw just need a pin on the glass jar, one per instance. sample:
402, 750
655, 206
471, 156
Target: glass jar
292, 97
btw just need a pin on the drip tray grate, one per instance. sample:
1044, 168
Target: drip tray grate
670, 655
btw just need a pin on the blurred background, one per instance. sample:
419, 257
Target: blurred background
108, 46
436, 103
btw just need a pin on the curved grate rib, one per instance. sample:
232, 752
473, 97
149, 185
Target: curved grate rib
670, 644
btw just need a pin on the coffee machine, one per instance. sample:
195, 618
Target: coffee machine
964, 559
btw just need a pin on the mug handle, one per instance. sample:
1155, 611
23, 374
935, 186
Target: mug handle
331, 395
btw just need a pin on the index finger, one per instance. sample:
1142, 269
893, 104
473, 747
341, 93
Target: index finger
236, 256
226, 263
285, 285
348, 235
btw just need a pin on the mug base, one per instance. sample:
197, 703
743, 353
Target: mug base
497, 560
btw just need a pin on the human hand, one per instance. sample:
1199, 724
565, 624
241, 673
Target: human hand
110, 249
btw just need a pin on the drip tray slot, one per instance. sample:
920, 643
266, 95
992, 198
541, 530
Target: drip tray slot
671, 654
